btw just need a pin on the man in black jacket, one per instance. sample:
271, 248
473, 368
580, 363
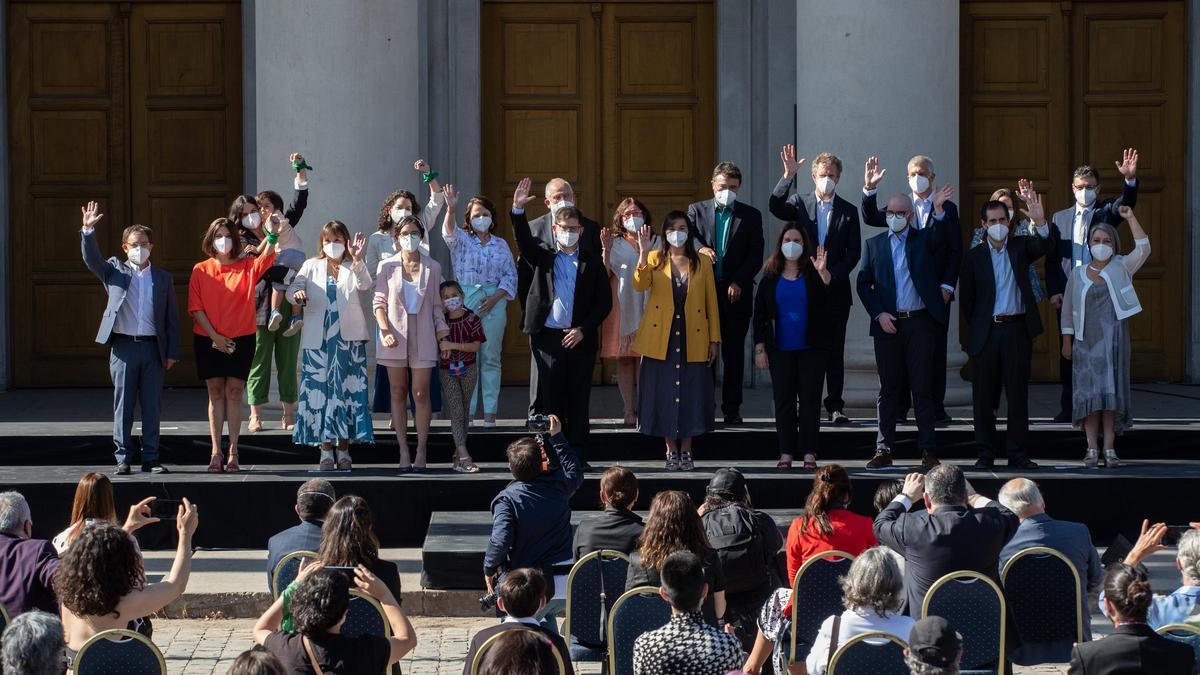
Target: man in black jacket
958, 530
521, 597
730, 233
567, 300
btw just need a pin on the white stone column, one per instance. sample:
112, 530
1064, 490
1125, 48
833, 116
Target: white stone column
880, 78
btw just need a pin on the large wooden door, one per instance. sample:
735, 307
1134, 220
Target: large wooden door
616, 97
1048, 86
134, 105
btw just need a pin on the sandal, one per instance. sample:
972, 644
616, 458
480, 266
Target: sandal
685, 461
289, 421
216, 464
1091, 460
464, 465
343, 460
326, 463
254, 425
784, 464
672, 461
810, 461
1110, 458
232, 465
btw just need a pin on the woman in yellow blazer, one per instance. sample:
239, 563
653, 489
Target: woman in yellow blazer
677, 338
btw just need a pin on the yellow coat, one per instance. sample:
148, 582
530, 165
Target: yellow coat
701, 319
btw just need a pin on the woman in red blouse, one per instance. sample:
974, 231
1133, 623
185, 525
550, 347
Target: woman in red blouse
827, 524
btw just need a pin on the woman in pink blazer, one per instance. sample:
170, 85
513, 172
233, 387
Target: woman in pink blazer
412, 325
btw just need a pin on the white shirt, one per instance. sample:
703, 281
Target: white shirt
412, 296
136, 314
854, 622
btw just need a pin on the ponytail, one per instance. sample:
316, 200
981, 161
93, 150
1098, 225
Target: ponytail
831, 489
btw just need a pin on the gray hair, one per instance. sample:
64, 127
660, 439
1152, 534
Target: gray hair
1021, 495
1112, 232
14, 512
946, 485
33, 644
1188, 556
875, 581
566, 186
918, 667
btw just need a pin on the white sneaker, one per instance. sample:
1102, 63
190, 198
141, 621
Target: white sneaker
275, 320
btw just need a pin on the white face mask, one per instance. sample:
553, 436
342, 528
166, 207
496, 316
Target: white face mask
555, 207
792, 250
918, 183
1101, 252
566, 239
398, 213
138, 254
452, 303
825, 185
1085, 197
725, 197
633, 223
896, 222
997, 232
250, 221
223, 244
677, 237
409, 242
334, 249
481, 223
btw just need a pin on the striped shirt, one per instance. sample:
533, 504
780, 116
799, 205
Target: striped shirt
466, 328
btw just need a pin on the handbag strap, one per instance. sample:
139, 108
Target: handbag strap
311, 658
833, 638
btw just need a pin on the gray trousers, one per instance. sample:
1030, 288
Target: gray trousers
137, 375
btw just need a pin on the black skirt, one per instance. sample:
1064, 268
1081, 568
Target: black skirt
211, 363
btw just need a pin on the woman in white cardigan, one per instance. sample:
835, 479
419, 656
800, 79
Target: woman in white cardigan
333, 407
1095, 335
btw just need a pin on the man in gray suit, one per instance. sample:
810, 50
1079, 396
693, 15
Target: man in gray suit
141, 325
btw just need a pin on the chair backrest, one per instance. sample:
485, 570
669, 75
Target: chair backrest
882, 655
816, 595
593, 586
638, 611
287, 569
1185, 633
365, 617
119, 651
490, 642
1034, 582
974, 605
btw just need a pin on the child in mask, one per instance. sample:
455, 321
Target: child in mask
459, 371
287, 263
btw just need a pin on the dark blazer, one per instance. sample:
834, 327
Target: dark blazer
877, 277
1133, 649
303, 537
744, 248
482, 636
948, 262
978, 287
614, 529
952, 539
1062, 229
820, 331
843, 241
116, 275
542, 228
714, 576
593, 297
26, 569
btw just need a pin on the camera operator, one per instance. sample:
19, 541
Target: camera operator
531, 517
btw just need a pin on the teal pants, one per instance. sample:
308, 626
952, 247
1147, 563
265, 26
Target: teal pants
487, 387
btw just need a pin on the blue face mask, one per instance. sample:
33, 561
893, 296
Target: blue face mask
452, 303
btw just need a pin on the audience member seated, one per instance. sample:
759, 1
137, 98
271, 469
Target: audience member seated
313, 501
102, 584
749, 547
33, 645
1182, 606
934, 647
618, 527
958, 530
257, 661
687, 644
531, 517
94, 504
674, 525
348, 540
319, 606
521, 653
886, 492
1133, 646
521, 596
827, 523
27, 565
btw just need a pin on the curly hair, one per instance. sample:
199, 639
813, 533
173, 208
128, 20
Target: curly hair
101, 567
348, 537
385, 209
320, 601
672, 525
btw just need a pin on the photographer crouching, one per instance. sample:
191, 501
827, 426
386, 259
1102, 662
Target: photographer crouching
531, 517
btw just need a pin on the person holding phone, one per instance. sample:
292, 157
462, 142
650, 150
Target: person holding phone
1183, 605
94, 504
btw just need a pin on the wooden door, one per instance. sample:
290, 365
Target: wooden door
1047, 86
616, 97
107, 103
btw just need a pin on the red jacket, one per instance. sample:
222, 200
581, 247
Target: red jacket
852, 533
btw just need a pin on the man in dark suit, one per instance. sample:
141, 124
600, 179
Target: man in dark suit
731, 234
898, 286
313, 500
958, 530
931, 208
558, 195
832, 222
617, 528
141, 325
567, 301
1003, 321
1069, 229
27, 565
521, 597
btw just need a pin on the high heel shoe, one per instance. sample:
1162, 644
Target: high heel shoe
254, 425
1110, 458
216, 464
1092, 459
232, 465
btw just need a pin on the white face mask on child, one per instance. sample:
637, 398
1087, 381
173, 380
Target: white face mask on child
452, 303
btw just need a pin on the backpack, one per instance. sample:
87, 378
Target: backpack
732, 533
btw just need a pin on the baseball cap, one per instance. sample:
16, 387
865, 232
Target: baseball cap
728, 483
935, 642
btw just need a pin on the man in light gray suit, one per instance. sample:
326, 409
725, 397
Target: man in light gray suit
141, 325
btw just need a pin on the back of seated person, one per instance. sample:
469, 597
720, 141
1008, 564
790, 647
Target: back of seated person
934, 648
1183, 605
885, 493
313, 501
827, 523
257, 661
27, 565
33, 645
348, 540
521, 596
520, 653
618, 527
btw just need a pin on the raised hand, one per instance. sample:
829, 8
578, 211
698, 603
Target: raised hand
91, 215
421, 165
606, 238
1036, 212
790, 165
357, 243
1125, 212
645, 238
521, 195
450, 195
818, 261
296, 159
872, 174
1024, 189
1128, 164
941, 195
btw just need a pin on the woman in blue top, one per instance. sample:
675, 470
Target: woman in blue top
792, 339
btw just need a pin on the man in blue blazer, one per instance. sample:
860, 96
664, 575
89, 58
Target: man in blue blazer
141, 325
313, 501
900, 287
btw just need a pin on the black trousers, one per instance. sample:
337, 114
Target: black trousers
735, 323
835, 364
564, 378
1064, 377
937, 386
907, 356
1004, 361
796, 379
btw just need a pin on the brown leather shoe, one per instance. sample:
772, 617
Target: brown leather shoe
880, 460
929, 460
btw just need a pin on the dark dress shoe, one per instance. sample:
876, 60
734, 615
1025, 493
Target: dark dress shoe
943, 421
1023, 464
154, 467
733, 420
929, 460
1063, 417
881, 460
838, 417
122, 469
985, 463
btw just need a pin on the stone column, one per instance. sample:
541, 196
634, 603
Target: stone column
880, 78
